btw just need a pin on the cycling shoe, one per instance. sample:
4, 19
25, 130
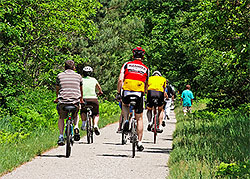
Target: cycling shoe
76, 134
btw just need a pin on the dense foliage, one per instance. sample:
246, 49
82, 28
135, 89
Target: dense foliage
35, 39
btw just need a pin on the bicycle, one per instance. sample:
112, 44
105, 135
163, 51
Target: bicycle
69, 129
89, 124
156, 118
133, 123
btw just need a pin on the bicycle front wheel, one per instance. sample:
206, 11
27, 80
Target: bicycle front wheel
68, 144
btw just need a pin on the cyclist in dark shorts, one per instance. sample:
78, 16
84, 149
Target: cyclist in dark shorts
133, 79
156, 88
68, 93
90, 85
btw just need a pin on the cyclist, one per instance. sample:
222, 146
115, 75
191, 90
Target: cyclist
68, 92
156, 88
168, 101
133, 79
90, 85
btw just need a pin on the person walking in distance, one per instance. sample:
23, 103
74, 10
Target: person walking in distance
68, 93
187, 99
133, 80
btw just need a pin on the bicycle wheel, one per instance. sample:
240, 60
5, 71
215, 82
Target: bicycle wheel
134, 138
88, 131
155, 127
91, 130
124, 135
68, 143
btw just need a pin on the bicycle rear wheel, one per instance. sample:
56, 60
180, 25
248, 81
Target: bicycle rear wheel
91, 130
68, 143
124, 135
134, 137
155, 128
88, 131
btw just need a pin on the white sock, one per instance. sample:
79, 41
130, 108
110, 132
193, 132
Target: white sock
83, 123
95, 125
61, 136
139, 143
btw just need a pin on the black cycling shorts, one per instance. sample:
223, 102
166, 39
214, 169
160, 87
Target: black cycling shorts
92, 102
155, 94
139, 102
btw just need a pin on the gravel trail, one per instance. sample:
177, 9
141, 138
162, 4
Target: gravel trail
105, 158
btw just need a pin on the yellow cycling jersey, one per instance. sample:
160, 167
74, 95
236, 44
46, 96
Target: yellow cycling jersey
133, 85
157, 83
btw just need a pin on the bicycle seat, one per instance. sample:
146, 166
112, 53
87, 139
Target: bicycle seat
155, 101
85, 106
133, 100
69, 108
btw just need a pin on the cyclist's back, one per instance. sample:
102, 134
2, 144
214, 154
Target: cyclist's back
90, 84
132, 79
156, 88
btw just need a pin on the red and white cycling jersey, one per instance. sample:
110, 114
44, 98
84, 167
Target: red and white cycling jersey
135, 75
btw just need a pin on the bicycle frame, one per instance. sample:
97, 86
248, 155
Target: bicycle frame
89, 124
69, 129
156, 118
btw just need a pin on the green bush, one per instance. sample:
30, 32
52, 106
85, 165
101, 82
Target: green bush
233, 170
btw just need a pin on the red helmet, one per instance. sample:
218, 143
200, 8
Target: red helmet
138, 52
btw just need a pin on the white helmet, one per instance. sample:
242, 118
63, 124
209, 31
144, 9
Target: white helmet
156, 73
87, 69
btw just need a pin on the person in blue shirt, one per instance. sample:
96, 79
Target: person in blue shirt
187, 99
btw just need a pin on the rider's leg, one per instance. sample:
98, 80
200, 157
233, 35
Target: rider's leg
125, 111
167, 108
96, 119
76, 121
149, 115
61, 126
160, 114
84, 118
139, 126
96, 129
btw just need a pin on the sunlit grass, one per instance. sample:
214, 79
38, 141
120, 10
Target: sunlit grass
204, 139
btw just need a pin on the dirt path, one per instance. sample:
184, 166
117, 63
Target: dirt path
105, 158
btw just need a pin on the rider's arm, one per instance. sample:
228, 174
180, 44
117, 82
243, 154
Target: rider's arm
81, 99
146, 87
120, 81
98, 86
57, 92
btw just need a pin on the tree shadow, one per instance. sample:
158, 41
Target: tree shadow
114, 155
111, 143
52, 156
158, 150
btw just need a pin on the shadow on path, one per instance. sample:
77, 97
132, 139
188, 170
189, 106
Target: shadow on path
113, 155
158, 150
53, 156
